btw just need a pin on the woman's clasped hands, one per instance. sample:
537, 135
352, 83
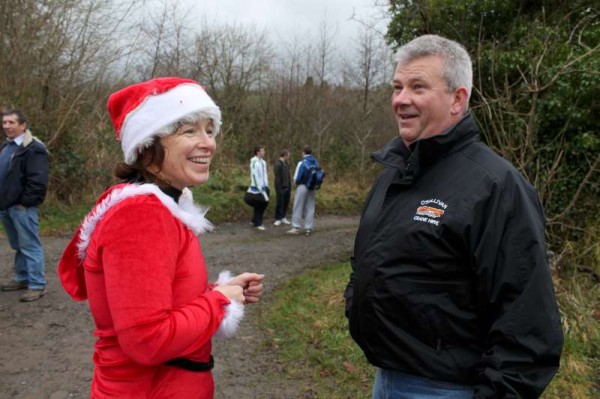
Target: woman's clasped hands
245, 288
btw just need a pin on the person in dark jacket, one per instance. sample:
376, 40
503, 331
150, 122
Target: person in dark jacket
23, 185
283, 187
450, 294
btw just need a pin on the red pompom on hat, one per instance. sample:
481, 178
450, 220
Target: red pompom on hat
139, 111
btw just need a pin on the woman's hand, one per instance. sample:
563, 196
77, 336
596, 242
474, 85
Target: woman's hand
232, 292
251, 284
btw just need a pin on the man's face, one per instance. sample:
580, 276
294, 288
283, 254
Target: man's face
421, 101
261, 153
11, 126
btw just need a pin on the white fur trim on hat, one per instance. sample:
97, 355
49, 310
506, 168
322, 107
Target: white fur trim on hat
157, 111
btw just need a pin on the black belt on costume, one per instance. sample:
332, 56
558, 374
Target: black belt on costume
191, 365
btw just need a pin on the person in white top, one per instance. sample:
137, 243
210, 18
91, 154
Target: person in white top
259, 183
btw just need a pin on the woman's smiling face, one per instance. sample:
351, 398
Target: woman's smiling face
188, 153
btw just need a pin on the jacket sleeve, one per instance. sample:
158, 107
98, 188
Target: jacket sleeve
35, 178
253, 173
139, 255
265, 174
278, 175
515, 295
361, 239
299, 173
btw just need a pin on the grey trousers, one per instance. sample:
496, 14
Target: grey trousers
304, 207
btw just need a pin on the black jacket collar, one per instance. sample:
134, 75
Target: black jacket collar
410, 160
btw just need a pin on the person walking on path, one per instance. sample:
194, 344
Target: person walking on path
259, 183
305, 200
23, 186
283, 187
136, 256
450, 294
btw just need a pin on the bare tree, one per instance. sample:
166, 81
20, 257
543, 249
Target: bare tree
56, 56
233, 62
168, 41
368, 70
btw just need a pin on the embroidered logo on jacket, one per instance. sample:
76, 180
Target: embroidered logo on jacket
429, 210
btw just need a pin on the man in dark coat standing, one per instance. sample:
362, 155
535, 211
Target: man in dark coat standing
450, 294
283, 187
23, 185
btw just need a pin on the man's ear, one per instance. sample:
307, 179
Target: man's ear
459, 100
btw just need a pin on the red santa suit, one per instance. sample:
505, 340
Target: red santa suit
138, 262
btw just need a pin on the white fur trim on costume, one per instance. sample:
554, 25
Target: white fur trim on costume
234, 313
224, 277
186, 211
158, 111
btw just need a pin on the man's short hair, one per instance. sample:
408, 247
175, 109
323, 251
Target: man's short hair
284, 153
257, 148
21, 118
306, 149
458, 68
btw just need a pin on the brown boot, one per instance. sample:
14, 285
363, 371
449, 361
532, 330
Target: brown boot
32, 295
14, 286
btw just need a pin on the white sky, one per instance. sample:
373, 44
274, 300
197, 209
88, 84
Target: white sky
288, 19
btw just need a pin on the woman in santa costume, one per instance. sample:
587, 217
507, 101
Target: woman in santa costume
136, 256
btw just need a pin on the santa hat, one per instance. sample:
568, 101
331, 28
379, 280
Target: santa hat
140, 111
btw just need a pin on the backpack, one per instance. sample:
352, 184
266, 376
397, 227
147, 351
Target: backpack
313, 178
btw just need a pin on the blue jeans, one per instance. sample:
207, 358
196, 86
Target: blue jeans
391, 384
21, 226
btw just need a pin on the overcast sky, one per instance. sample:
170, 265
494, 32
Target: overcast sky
287, 19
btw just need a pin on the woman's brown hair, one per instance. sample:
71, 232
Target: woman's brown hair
139, 172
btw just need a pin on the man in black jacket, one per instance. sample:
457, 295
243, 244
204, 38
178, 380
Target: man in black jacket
450, 292
23, 185
283, 187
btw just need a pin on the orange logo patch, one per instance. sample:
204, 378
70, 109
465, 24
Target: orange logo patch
429, 211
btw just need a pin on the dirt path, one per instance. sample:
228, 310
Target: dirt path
46, 346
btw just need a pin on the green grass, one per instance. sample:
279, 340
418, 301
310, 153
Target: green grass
579, 373
58, 219
306, 327
223, 194
307, 330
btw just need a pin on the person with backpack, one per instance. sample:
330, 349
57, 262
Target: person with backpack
308, 177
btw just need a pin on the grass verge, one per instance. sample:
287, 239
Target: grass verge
223, 194
307, 329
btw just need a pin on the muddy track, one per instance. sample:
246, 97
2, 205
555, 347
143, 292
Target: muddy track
46, 346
